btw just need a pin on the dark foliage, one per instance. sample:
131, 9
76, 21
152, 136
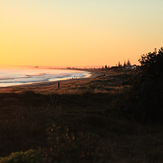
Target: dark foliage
144, 101
152, 66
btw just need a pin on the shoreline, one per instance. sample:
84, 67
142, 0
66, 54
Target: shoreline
98, 82
48, 85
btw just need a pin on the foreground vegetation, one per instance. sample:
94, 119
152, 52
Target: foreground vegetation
115, 117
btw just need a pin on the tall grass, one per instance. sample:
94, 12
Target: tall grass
92, 124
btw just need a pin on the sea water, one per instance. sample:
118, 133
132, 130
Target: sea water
11, 77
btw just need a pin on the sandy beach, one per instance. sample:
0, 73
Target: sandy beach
51, 86
70, 86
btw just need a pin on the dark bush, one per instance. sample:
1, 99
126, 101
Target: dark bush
148, 87
144, 101
151, 66
30, 156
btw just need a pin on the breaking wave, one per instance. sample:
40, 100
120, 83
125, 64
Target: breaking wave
11, 77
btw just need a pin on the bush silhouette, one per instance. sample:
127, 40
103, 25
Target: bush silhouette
152, 66
148, 87
143, 102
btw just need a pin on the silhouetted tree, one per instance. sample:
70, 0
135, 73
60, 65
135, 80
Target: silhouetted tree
152, 65
143, 101
128, 63
147, 88
119, 65
124, 65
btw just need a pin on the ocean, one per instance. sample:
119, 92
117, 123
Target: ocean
12, 77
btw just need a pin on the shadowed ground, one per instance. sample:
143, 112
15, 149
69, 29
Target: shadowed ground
76, 121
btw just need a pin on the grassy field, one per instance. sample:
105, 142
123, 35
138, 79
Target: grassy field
76, 123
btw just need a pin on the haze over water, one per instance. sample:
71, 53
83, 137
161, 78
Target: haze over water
11, 77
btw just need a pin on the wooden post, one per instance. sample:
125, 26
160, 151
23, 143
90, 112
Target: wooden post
58, 85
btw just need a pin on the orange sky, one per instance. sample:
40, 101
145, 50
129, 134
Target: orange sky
78, 33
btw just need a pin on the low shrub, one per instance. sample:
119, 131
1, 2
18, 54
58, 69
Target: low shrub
30, 156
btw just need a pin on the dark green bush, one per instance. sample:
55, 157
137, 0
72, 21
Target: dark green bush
30, 156
144, 101
151, 66
148, 87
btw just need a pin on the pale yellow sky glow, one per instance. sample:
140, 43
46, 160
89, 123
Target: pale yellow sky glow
78, 32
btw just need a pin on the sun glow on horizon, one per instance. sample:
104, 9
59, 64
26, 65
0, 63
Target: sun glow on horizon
78, 33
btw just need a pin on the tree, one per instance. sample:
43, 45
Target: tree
119, 65
128, 63
152, 65
147, 88
143, 101
124, 65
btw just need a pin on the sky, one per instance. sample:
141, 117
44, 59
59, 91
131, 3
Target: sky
78, 32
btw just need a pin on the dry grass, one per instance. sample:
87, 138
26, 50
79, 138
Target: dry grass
75, 123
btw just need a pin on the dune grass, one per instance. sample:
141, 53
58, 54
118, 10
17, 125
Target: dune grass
78, 123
